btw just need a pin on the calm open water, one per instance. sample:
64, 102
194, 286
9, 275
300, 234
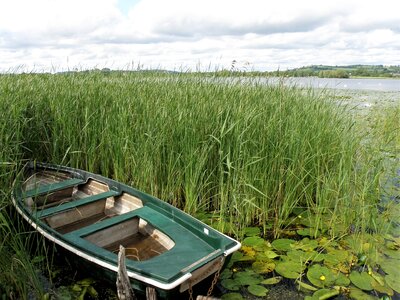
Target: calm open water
374, 84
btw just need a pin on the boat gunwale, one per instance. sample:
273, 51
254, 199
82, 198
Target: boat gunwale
164, 208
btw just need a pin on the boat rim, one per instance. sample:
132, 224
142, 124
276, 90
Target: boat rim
102, 263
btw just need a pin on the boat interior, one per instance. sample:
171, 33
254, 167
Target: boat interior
68, 204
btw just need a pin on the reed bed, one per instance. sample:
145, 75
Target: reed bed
245, 153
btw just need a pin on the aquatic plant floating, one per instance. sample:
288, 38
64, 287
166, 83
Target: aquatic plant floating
232, 296
263, 267
393, 282
283, 244
251, 231
289, 269
257, 290
358, 294
320, 276
272, 280
323, 294
362, 280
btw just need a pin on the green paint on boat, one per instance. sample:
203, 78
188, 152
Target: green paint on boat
90, 216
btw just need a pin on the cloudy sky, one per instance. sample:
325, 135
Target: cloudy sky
57, 35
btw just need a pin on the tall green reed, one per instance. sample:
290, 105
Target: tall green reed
250, 153
246, 152
18, 277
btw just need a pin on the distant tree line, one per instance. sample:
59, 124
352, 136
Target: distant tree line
321, 71
341, 71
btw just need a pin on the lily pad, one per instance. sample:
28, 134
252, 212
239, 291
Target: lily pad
282, 244
297, 256
383, 289
236, 256
339, 259
266, 255
323, 294
336, 256
247, 258
230, 284
303, 257
263, 267
380, 279
392, 253
232, 296
326, 242
257, 290
289, 269
305, 286
306, 244
358, 294
390, 266
253, 241
252, 231
393, 282
248, 251
271, 254
263, 247
320, 276
248, 277
227, 273
272, 280
316, 256
308, 232
361, 280
308, 221
342, 280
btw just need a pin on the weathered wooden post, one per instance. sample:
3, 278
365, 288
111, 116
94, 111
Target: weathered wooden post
124, 289
151, 293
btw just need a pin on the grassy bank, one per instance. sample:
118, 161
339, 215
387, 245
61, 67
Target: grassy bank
237, 155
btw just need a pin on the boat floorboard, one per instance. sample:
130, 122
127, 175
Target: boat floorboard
138, 247
82, 223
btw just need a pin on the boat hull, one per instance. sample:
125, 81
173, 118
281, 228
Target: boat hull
88, 215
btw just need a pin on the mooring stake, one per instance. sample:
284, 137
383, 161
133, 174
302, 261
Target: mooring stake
124, 289
151, 293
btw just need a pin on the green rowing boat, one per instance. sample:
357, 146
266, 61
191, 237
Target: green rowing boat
91, 216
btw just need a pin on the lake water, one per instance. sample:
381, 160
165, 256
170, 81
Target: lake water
374, 84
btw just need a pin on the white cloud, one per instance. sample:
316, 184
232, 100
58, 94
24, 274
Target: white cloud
223, 17
47, 34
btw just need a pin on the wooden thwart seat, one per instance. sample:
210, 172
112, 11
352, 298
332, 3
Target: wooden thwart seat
53, 187
65, 206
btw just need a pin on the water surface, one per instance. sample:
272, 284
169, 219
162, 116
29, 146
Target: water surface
373, 84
